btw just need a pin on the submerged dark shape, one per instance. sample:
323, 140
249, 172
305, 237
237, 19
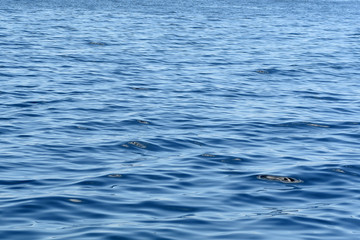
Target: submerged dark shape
137, 144
262, 71
142, 121
96, 43
279, 179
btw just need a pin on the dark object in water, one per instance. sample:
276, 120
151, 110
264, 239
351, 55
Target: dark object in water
279, 179
143, 122
137, 144
261, 71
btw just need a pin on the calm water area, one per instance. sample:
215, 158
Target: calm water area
188, 119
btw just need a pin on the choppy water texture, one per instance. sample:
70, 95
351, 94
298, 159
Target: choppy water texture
179, 120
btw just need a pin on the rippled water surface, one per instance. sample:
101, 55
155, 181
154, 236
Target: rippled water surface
204, 119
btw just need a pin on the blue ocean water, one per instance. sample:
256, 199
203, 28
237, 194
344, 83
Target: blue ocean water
202, 119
